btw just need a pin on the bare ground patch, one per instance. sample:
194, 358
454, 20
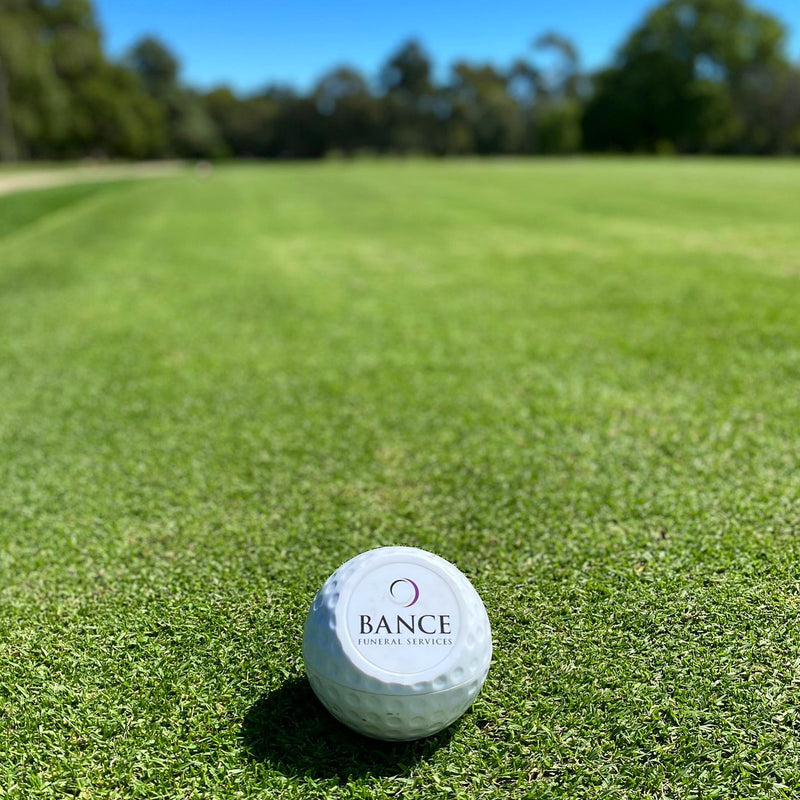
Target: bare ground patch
46, 178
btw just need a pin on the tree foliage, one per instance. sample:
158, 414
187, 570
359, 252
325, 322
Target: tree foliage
188, 130
59, 95
696, 76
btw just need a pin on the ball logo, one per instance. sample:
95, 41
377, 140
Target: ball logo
404, 592
403, 618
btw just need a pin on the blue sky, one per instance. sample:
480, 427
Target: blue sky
247, 44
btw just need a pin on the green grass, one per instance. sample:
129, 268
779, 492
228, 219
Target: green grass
25, 208
577, 380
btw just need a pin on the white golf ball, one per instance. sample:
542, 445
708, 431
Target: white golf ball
397, 643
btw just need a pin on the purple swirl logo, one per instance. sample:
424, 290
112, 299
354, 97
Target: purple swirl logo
404, 592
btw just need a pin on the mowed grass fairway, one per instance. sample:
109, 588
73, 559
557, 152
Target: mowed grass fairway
579, 381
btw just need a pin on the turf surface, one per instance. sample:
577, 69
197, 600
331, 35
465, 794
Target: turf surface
579, 381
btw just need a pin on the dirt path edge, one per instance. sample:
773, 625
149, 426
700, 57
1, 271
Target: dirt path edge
46, 178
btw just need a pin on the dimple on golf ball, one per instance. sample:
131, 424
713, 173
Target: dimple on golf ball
397, 643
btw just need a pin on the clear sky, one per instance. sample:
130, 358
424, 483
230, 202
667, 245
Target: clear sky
247, 43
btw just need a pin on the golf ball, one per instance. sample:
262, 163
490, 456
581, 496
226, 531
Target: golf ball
397, 643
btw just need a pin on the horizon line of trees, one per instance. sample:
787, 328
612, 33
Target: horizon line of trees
696, 76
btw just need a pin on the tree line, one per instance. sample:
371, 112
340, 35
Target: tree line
695, 76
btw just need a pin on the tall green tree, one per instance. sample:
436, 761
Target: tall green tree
245, 124
10, 13
680, 80
35, 102
109, 114
156, 67
190, 130
349, 112
562, 80
8, 139
482, 103
410, 101
59, 95
557, 115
